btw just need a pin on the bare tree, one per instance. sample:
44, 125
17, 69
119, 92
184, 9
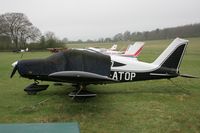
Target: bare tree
127, 35
51, 39
118, 37
65, 40
50, 35
29, 34
18, 28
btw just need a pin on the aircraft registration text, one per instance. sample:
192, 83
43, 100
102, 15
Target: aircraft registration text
127, 76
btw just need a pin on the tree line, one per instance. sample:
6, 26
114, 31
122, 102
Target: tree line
186, 31
192, 30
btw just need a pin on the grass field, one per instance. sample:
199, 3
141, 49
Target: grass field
149, 106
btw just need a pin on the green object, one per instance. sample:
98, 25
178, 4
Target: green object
40, 128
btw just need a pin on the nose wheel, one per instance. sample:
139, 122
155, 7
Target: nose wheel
34, 88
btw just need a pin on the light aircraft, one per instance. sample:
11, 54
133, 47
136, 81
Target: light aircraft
21, 50
111, 50
132, 50
84, 67
24, 50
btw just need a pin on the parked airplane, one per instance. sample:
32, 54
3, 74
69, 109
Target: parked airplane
104, 50
132, 50
84, 67
21, 50
24, 50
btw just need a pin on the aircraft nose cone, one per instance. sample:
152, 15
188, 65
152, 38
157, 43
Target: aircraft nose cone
14, 63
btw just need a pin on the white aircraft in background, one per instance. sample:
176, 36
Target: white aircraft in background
132, 50
21, 50
104, 50
114, 47
24, 50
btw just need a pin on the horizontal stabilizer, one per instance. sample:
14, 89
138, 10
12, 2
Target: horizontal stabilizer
173, 75
187, 76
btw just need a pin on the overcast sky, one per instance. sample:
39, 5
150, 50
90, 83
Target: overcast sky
92, 19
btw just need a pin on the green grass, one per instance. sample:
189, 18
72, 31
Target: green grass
149, 106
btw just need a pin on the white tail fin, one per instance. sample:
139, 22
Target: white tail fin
134, 49
114, 47
172, 55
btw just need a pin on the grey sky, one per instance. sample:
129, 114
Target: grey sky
92, 19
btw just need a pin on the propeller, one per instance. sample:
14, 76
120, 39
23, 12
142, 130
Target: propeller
187, 76
13, 72
15, 65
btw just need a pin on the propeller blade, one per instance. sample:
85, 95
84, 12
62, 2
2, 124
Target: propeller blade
13, 72
187, 76
14, 63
